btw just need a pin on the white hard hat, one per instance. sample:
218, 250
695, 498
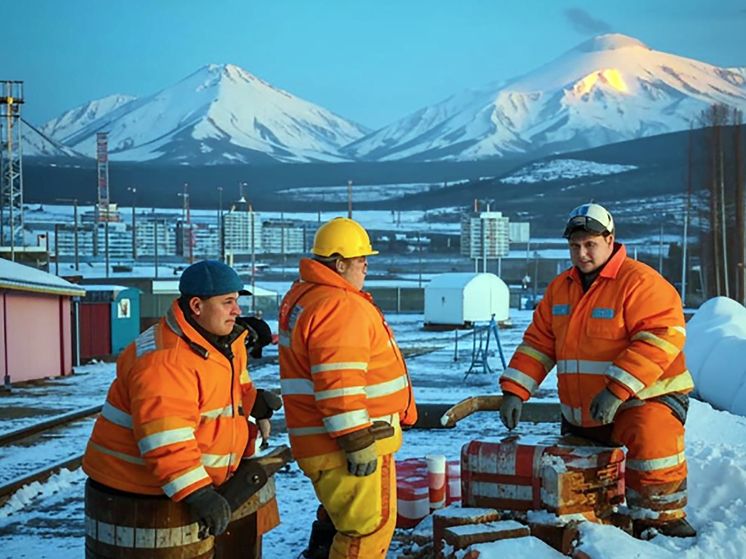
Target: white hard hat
592, 218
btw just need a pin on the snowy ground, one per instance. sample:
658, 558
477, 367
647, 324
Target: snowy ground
46, 521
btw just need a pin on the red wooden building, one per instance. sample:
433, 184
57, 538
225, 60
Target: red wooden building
36, 338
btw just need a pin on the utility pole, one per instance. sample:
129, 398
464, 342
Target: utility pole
106, 240
75, 228
133, 189
660, 252
536, 275
186, 226
253, 284
484, 244
282, 238
155, 243
740, 206
75, 234
419, 253
688, 202
56, 249
349, 199
723, 218
221, 231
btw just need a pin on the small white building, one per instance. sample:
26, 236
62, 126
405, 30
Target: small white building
463, 299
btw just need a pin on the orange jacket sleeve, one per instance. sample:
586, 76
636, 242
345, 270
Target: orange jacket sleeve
655, 322
535, 357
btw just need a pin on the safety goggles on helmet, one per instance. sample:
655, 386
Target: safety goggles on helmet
591, 218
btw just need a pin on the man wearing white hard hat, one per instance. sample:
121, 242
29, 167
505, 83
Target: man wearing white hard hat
615, 330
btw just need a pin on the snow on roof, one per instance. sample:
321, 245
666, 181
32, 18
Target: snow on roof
18, 277
115, 289
455, 280
171, 287
106, 287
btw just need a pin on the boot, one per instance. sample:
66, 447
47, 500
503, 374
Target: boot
679, 528
320, 542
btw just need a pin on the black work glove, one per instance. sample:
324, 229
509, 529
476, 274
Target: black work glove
510, 410
210, 509
266, 404
260, 334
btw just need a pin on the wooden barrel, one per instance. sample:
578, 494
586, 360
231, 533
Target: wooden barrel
126, 526
243, 538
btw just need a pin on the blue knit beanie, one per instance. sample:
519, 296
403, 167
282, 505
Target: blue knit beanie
209, 278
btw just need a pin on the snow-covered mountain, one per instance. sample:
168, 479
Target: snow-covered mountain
219, 114
608, 89
70, 122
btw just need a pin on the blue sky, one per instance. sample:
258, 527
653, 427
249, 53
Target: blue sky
372, 61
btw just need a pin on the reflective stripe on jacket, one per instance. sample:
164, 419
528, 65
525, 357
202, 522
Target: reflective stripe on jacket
340, 367
172, 419
626, 332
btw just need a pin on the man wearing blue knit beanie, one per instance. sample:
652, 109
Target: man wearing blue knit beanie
175, 422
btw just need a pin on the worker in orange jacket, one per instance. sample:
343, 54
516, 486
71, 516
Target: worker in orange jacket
614, 328
175, 420
346, 392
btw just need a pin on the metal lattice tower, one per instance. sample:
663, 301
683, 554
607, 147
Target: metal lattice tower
11, 170
102, 171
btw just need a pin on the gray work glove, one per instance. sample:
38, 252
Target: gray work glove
210, 509
510, 410
604, 406
360, 447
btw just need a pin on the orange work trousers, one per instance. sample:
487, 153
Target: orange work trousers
656, 471
656, 466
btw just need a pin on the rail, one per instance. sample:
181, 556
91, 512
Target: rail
56, 421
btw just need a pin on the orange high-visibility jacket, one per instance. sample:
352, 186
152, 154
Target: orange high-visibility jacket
340, 367
626, 332
175, 418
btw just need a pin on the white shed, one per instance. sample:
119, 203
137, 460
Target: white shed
459, 299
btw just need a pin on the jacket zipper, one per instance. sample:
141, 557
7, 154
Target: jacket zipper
230, 357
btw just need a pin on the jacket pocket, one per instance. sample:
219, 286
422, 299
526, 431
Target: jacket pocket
606, 324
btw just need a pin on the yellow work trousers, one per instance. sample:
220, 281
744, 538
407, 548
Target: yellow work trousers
363, 509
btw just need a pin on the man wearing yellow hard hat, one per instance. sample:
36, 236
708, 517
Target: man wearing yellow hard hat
347, 393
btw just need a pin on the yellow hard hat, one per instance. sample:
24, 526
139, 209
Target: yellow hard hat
342, 236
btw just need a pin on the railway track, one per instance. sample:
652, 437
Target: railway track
22, 437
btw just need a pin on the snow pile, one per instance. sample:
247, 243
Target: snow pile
716, 354
58, 482
559, 169
716, 457
518, 547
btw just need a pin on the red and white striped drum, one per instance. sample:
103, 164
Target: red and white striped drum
533, 474
412, 492
453, 485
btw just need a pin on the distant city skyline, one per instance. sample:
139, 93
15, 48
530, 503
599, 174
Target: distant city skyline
372, 62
